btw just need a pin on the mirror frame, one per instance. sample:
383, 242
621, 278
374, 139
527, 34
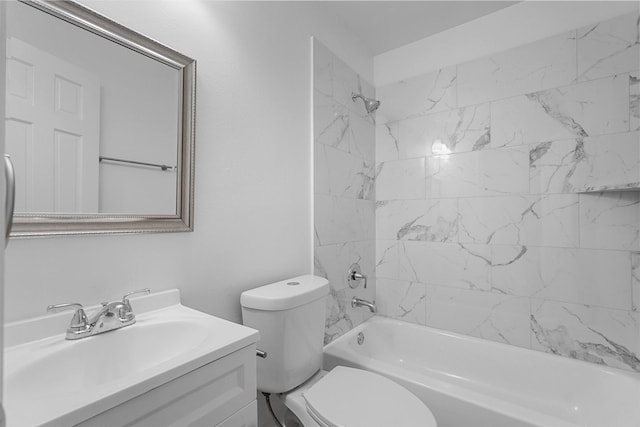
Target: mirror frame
39, 224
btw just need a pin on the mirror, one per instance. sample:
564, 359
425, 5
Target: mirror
99, 124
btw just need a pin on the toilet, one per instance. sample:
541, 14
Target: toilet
290, 316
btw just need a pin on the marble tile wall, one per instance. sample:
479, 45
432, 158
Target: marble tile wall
344, 197
487, 219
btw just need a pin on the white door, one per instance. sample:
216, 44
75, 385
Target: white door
52, 131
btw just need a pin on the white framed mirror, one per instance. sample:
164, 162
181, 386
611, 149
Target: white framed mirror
100, 124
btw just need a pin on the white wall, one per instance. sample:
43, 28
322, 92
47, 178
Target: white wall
253, 151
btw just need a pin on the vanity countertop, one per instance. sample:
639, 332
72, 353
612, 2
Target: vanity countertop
49, 380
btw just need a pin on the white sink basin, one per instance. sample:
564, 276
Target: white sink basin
69, 381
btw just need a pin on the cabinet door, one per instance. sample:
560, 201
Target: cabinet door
245, 417
204, 397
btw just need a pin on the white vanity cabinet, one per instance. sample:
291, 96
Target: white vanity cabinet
220, 393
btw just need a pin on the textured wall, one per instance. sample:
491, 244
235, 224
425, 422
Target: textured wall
483, 226
344, 139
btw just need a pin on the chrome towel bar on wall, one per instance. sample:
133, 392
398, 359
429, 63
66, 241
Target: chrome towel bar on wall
134, 162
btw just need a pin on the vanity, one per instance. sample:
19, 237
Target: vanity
174, 366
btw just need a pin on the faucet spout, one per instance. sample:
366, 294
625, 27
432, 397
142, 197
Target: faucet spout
357, 302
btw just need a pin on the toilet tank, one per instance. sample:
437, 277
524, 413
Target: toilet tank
290, 316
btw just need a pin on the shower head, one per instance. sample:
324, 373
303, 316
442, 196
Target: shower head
371, 105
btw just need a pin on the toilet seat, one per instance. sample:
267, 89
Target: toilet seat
347, 397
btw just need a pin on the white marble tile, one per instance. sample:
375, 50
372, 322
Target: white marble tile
434, 220
584, 276
362, 137
593, 334
402, 300
322, 68
520, 220
445, 264
610, 220
338, 127
453, 131
605, 161
479, 173
487, 315
592, 108
635, 281
332, 262
609, 47
634, 100
387, 142
552, 221
341, 174
533, 67
340, 220
417, 96
338, 321
386, 258
401, 179
330, 122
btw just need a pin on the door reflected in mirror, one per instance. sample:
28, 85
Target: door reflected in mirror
99, 122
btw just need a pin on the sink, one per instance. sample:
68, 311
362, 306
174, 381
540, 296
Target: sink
70, 380
99, 360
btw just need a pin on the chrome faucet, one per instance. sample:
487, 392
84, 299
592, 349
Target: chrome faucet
357, 302
114, 315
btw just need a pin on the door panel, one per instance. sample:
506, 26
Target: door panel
53, 125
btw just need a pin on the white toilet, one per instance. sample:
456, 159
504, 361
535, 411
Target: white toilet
290, 316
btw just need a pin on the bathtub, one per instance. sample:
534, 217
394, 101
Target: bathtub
470, 382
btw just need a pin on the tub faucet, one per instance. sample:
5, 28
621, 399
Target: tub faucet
110, 316
357, 302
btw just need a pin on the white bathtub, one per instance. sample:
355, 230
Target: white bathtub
467, 381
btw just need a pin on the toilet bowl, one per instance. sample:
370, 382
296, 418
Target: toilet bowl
290, 316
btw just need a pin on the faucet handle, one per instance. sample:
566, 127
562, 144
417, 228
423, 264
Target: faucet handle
127, 310
125, 299
79, 320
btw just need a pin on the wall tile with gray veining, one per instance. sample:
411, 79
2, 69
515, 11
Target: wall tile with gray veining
605, 161
487, 315
610, 220
401, 179
341, 174
402, 300
434, 220
634, 100
322, 69
479, 173
445, 264
428, 93
608, 48
330, 122
388, 142
453, 131
592, 334
533, 67
341, 220
586, 109
635, 281
520, 220
584, 276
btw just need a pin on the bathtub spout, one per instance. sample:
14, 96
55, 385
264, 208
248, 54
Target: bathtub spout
357, 302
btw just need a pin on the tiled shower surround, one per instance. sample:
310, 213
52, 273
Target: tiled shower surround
344, 205
487, 222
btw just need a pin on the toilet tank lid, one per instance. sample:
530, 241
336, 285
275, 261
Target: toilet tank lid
286, 294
